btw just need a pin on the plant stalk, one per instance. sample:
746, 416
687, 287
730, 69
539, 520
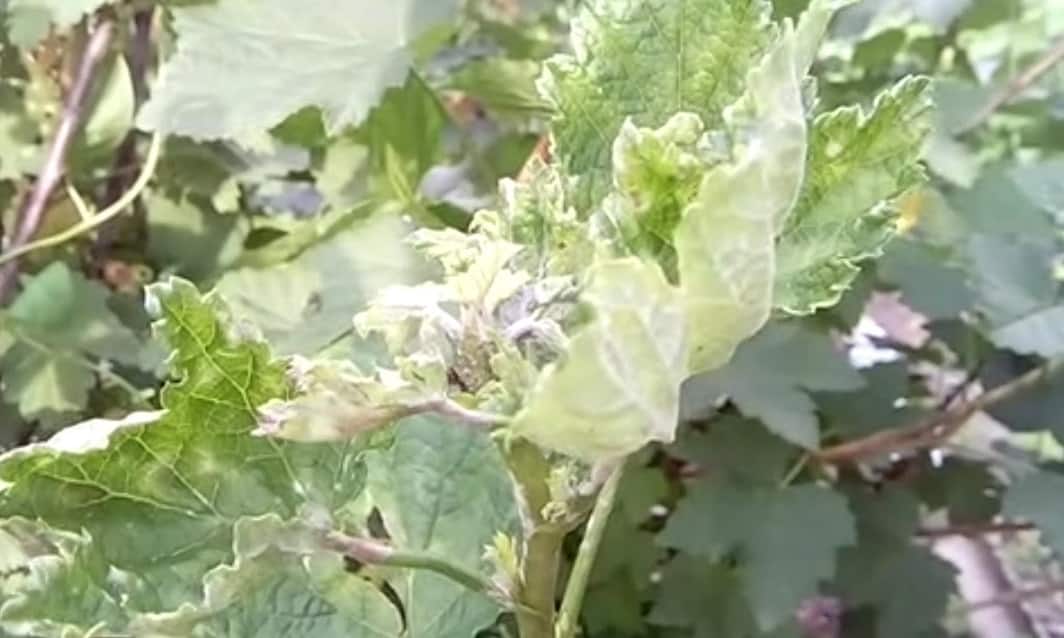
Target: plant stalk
573, 601
373, 552
536, 584
33, 207
537, 592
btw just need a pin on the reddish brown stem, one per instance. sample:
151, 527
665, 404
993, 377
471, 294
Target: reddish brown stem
976, 529
31, 211
933, 430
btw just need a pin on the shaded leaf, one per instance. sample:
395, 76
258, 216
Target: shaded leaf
242, 66
60, 324
770, 376
442, 489
786, 539
280, 582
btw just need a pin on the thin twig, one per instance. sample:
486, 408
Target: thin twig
934, 429
1017, 596
1016, 86
371, 551
100, 218
975, 529
31, 212
126, 160
450, 409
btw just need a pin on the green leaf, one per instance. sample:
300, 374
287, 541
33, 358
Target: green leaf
1018, 293
737, 450
505, 87
908, 586
646, 61
160, 498
705, 597
770, 377
189, 238
280, 583
1012, 277
243, 66
786, 539
29, 20
875, 406
307, 304
929, 285
725, 242
61, 324
628, 364
442, 489
859, 163
1035, 498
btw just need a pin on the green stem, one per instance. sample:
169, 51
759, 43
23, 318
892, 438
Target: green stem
537, 593
569, 616
542, 539
373, 552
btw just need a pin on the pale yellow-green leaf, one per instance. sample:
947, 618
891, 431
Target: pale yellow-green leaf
618, 386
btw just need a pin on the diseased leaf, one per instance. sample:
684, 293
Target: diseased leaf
646, 61
770, 376
618, 386
60, 323
859, 163
786, 539
441, 489
725, 242
53, 583
280, 584
242, 66
160, 498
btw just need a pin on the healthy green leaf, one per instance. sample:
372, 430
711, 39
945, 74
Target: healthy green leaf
243, 66
441, 489
787, 539
929, 285
160, 498
61, 325
1034, 498
907, 586
703, 596
770, 376
628, 365
859, 163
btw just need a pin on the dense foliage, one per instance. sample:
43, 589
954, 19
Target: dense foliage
538, 318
